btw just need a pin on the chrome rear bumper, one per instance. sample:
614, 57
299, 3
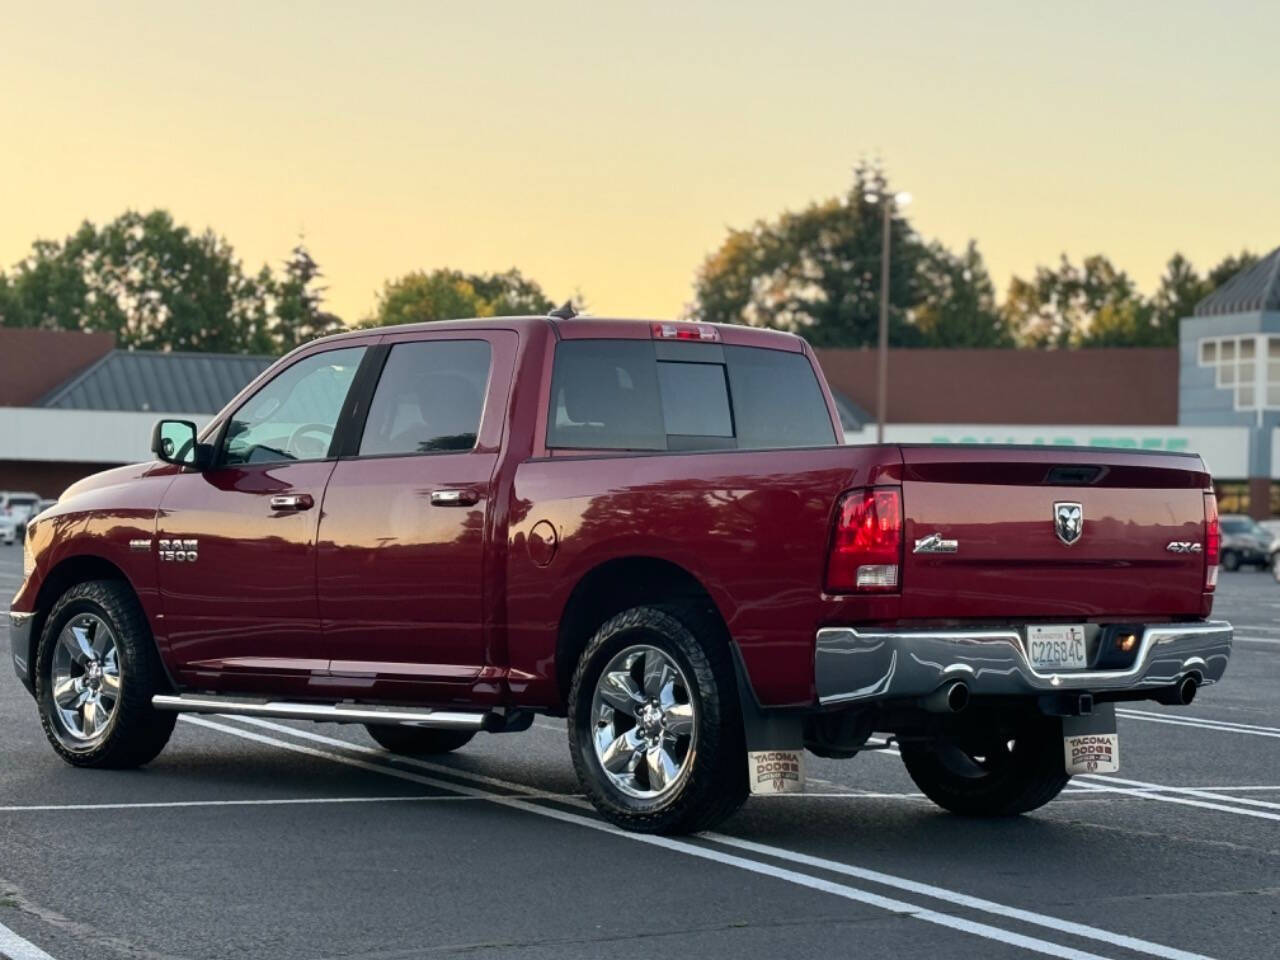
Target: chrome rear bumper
859, 665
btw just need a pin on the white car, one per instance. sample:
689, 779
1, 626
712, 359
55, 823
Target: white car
18, 507
8, 530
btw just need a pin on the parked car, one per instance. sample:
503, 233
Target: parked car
18, 507
8, 530
651, 529
1245, 542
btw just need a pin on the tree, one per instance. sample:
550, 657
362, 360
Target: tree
152, 283
446, 294
959, 305
817, 271
298, 313
1058, 307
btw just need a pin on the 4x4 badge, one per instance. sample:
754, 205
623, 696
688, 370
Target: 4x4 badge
1068, 521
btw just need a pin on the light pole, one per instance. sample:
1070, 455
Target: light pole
887, 205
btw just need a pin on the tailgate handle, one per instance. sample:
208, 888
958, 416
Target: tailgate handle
1075, 476
454, 498
292, 501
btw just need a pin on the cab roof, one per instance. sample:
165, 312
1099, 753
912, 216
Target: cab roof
597, 328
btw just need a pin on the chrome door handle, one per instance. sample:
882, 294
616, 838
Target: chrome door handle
292, 501
454, 498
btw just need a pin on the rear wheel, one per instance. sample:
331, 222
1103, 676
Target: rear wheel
418, 740
96, 671
991, 773
1230, 561
654, 726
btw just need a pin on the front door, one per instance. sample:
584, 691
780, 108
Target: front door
403, 534
236, 544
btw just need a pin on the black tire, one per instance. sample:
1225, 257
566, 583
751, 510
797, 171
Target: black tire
1230, 561
136, 732
420, 741
982, 777
714, 784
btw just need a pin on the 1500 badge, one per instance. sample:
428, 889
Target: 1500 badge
179, 551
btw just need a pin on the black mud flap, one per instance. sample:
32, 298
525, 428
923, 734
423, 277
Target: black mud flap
774, 740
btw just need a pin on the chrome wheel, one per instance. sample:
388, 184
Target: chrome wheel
645, 723
84, 677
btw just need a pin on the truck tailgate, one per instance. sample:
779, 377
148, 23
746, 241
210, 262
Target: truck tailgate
998, 505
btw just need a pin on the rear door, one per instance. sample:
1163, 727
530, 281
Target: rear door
1047, 533
401, 562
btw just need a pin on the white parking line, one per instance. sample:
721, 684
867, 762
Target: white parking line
16, 948
1215, 725
958, 899
175, 804
1144, 714
1000, 934
1110, 779
1156, 792
1269, 641
1150, 791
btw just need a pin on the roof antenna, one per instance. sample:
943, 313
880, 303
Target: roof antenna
565, 312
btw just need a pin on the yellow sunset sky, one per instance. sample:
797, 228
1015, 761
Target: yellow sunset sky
606, 148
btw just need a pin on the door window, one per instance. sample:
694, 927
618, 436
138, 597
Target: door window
294, 417
429, 398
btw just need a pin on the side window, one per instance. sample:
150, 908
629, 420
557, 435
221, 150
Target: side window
294, 416
631, 395
429, 398
776, 400
604, 396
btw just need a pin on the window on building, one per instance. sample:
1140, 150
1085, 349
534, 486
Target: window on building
1248, 365
1232, 497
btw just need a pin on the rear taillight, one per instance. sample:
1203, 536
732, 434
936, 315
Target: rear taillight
866, 545
1212, 541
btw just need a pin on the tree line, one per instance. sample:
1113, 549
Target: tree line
158, 285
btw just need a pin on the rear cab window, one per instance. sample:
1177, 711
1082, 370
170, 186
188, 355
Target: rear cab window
659, 396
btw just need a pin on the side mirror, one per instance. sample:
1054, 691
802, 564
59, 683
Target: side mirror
174, 441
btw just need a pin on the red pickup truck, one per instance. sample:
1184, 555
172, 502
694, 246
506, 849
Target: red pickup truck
652, 529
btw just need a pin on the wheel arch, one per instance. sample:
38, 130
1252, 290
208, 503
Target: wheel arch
619, 584
67, 573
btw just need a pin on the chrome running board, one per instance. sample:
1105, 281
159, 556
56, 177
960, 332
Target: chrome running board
331, 712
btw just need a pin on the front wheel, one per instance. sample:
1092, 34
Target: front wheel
96, 671
1230, 561
654, 727
993, 773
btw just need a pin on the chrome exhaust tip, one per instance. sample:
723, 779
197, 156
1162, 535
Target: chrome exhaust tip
1181, 693
951, 697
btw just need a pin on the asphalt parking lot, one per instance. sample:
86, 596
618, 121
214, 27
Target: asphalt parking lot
270, 839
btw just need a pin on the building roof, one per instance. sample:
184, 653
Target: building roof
159, 382
1256, 288
34, 362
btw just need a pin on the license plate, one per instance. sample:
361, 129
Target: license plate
1057, 647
